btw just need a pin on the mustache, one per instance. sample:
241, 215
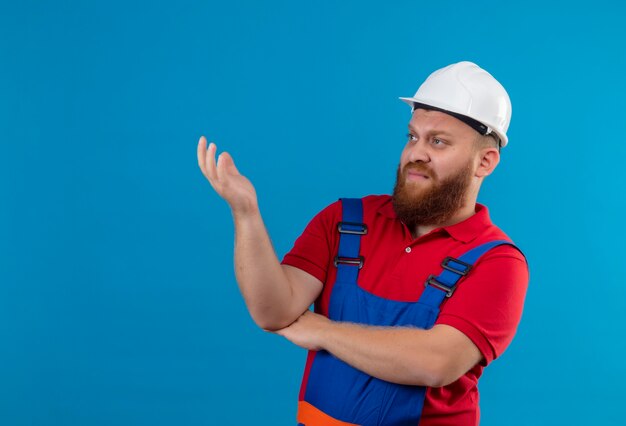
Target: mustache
419, 168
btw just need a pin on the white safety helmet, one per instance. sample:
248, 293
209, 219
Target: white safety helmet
469, 93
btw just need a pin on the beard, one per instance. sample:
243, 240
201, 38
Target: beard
418, 204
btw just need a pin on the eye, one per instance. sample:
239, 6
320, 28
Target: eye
411, 137
438, 142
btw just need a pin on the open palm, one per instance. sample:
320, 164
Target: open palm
225, 179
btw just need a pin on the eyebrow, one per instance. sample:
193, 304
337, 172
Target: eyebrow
432, 132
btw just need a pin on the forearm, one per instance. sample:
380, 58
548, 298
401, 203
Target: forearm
262, 281
396, 354
265, 286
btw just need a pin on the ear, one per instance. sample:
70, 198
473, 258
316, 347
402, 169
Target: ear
488, 159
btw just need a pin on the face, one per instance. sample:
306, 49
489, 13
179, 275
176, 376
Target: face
436, 169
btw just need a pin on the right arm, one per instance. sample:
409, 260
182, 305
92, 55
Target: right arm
275, 294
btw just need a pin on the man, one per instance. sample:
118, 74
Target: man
414, 293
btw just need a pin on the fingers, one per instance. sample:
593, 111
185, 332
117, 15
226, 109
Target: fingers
227, 164
211, 166
201, 151
219, 168
206, 161
214, 170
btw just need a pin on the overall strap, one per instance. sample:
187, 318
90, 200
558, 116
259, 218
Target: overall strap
443, 285
351, 228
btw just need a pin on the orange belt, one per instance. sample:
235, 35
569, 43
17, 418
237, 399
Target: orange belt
310, 416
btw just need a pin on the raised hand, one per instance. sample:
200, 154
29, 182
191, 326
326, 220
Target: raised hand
225, 179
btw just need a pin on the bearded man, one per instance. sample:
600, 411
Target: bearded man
414, 293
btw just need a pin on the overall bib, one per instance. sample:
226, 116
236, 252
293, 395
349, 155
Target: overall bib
337, 394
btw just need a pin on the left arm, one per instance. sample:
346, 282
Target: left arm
404, 355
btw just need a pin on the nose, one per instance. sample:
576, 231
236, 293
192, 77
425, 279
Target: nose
417, 152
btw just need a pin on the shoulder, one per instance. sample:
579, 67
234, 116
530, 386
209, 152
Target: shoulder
374, 204
487, 232
371, 204
503, 251
374, 201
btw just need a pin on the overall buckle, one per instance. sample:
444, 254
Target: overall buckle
354, 261
446, 265
432, 280
353, 228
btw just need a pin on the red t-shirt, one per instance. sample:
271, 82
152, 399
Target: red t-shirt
486, 306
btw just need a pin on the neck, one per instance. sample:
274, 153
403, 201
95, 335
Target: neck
463, 213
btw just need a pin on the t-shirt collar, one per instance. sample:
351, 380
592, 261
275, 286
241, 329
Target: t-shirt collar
464, 231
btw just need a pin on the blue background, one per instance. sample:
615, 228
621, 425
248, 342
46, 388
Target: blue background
118, 303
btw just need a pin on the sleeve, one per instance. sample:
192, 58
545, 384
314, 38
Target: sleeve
487, 305
313, 249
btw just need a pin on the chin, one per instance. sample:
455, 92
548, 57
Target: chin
416, 188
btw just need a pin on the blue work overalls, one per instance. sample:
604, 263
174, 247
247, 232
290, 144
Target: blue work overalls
345, 393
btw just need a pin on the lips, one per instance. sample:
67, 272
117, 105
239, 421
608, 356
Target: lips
416, 172
416, 175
